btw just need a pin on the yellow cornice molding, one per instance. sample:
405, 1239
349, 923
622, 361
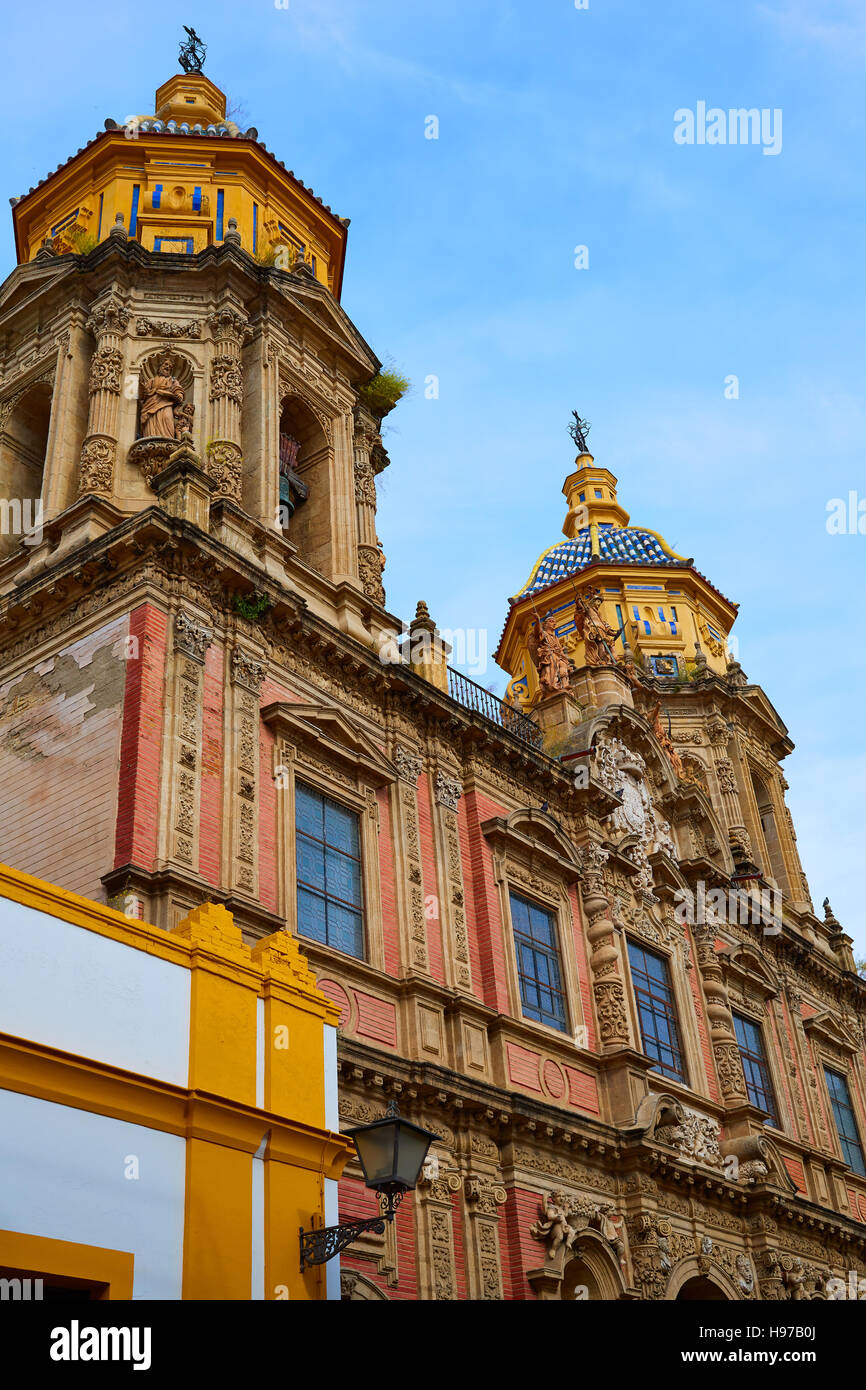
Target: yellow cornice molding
30, 1068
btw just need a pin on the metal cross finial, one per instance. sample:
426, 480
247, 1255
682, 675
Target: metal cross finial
192, 52
579, 429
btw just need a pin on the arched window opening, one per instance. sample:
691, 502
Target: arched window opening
23, 442
774, 863
304, 472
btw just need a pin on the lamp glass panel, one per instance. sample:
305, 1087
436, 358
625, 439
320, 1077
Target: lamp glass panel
411, 1152
376, 1150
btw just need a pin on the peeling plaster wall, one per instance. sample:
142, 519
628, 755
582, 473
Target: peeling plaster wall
60, 725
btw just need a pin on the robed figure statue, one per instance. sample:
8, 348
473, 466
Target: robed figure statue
160, 394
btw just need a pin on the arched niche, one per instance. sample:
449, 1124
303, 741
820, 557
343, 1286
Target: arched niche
182, 371
305, 458
25, 421
592, 1273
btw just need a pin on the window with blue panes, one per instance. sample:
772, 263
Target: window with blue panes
846, 1124
330, 883
657, 1012
538, 966
755, 1069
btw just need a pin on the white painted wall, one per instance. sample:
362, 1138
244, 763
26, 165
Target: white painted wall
62, 1177
73, 989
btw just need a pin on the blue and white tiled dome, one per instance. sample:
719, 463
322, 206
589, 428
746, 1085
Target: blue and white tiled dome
616, 544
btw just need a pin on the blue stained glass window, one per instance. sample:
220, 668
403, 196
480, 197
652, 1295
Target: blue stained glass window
846, 1123
656, 1010
196, 200
328, 860
219, 214
538, 969
133, 215
157, 196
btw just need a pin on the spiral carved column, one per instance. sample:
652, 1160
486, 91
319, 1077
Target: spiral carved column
224, 456
605, 962
726, 1052
108, 325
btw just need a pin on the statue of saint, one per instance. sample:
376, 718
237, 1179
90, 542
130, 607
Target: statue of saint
665, 739
548, 655
160, 395
597, 635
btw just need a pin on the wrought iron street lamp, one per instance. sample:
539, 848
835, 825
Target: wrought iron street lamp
392, 1153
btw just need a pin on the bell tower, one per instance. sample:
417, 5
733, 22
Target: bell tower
189, 446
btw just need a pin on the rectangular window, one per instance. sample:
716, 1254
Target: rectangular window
133, 215
196, 199
541, 993
219, 214
757, 1073
843, 1114
99, 223
328, 858
656, 1009
255, 228
173, 243
156, 197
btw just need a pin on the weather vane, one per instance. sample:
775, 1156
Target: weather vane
578, 430
192, 52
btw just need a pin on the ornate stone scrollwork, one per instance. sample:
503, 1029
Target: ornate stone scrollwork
224, 463
165, 328
106, 367
96, 470
190, 637
448, 791
371, 563
409, 765
564, 1216
226, 379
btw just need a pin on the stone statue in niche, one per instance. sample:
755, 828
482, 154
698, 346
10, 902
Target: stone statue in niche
548, 655
161, 395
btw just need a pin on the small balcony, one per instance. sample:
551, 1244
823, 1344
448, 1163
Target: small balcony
474, 697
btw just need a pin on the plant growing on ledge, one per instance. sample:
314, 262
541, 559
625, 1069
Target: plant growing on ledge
252, 606
81, 241
382, 392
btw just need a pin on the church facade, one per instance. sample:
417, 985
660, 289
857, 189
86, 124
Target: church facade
569, 931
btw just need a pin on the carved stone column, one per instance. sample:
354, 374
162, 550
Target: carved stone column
367, 445
247, 675
452, 909
608, 984
437, 1277
108, 325
191, 641
726, 1052
224, 459
408, 847
484, 1196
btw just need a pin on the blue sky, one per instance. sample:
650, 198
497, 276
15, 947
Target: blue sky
556, 130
